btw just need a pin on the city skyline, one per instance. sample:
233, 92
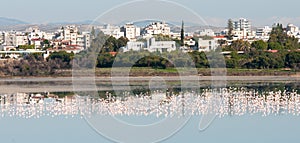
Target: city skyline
215, 13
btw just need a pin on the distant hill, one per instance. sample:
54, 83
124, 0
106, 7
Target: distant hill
9, 21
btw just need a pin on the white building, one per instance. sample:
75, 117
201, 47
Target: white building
263, 33
151, 45
242, 29
1, 38
157, 28
114, 31
242, 25
21, 40
134, 46
9, 39
190, 42
71, 33
35, 33
292, 28
207, 45
207, 32
160, 46
131, 31
86, 39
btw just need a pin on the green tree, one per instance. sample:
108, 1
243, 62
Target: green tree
260, 45
93, 32
62, 56
182, 34
240, 45
292, 60
230, 29
121, 42
279, 40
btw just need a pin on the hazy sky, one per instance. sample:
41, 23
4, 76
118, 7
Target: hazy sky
214, 12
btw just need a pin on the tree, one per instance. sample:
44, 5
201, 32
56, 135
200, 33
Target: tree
279, 40
230, 29
240, 45
93, 32
62, 56
182, 34
259, 45
292, 60
113, 45
161, 37
233, 61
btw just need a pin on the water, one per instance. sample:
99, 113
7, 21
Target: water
262, 119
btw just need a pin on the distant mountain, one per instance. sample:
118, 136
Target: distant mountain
9, 21
175, 26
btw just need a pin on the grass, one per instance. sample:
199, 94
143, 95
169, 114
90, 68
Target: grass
140, 71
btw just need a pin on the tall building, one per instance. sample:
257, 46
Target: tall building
242, 25
131, 31
10, 39
241, 29
1, 38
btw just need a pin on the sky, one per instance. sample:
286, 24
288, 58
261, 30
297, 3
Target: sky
213, 12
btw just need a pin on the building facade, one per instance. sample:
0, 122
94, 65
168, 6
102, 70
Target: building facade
131, 32
157, 28
207, 45
151, 45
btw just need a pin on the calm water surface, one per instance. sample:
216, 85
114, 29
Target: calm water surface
228, 129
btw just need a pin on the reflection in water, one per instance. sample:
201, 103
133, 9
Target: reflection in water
224, 102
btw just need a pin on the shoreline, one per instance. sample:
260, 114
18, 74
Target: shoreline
146, 78
85, 84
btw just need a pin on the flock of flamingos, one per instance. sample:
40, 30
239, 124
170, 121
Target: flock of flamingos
222, 102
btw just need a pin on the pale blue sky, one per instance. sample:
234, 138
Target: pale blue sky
214, 12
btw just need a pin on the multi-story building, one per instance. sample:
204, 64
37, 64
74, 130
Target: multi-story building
35, 33
157, 28
1, 38
242, 28
10, 38
131, 31
207, 45
72, 36
263, 33
292, 28
114, 31
83, 40
21, 39
242, 25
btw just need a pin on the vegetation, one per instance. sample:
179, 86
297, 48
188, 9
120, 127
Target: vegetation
182, 34
256, 58
230, 29
25, 47
113, 45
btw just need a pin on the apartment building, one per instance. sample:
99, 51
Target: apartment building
157, 28
131, 31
